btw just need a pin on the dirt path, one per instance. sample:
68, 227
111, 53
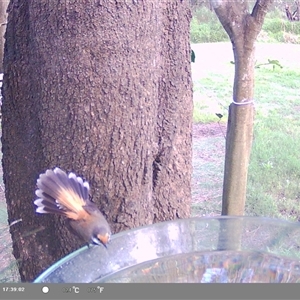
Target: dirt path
208, 164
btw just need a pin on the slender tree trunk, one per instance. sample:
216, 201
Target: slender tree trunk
3, 19
102, 89
242, 28
239, 132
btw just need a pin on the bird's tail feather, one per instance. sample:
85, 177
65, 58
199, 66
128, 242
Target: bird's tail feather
61, 194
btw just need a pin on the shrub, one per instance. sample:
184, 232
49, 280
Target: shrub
205, 28
207, 32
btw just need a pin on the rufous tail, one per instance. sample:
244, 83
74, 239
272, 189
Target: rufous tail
63, 194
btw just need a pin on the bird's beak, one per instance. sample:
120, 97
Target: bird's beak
96, 241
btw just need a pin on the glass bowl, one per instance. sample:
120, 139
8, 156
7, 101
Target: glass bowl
218, 249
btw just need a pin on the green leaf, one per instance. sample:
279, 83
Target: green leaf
193, 56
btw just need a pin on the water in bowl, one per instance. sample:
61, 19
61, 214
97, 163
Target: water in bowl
212, 267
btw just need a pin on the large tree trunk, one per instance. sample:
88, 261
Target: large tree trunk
102, 88
242, 28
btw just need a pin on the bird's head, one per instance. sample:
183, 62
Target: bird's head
101, 236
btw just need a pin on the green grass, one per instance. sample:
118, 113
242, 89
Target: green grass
8, 269
210, 31
8, 266
205, 27
274, 171
212, 95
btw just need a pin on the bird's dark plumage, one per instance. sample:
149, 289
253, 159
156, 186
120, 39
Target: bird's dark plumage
68, 195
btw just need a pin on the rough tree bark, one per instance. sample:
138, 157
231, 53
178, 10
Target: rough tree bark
243, 28
101, 88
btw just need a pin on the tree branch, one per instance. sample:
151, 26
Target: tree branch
260, 9
236, 19
231, 15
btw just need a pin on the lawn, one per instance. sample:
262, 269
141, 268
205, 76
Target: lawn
274, 171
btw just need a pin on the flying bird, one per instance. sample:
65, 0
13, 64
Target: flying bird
68, 195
